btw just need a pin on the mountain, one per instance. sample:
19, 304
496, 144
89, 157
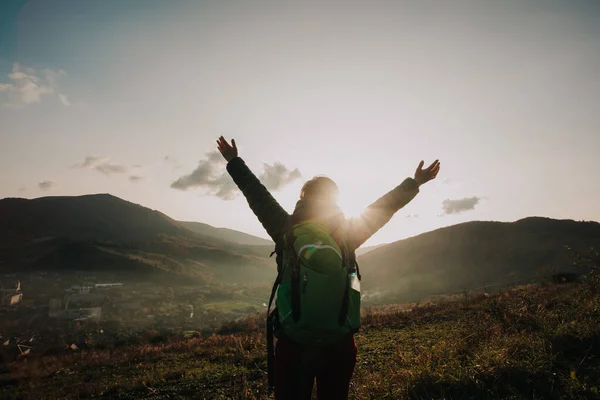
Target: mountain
364, 250
104, 233
100, 217
229, 235
474, 254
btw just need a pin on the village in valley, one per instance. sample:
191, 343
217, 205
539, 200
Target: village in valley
45, 313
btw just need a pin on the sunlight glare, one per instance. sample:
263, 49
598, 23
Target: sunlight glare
350, 204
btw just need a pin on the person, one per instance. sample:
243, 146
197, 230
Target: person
296, 366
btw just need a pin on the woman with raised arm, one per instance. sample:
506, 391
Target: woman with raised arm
313, 343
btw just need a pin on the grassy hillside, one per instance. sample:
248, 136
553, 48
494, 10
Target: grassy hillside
474, 254
99, 217
229, 235
102, 233
529, 342
366, 249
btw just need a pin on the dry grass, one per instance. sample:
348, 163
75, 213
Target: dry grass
531, 342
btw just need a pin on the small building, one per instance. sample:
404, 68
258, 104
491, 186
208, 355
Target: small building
108, 285
79, 289
11, 296
12, 299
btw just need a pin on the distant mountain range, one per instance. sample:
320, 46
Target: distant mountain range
103, 233
475, 254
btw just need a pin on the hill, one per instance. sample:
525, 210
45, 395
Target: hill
103, 233
474, 254
99, 217
366, 249
226, 234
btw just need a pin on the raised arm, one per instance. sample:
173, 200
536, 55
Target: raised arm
381, 211
270, 214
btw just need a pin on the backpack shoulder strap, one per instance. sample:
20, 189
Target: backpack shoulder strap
279, 248
349, 262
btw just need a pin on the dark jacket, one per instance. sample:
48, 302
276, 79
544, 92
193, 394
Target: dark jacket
357, 230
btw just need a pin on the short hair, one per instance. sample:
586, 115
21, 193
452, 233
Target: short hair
319, 187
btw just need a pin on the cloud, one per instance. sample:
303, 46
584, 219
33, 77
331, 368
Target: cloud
412, 216
63, 99
47, 185
27, 86
278, 175
225, 187
460, 205
23, 189
89, 162
103, 165
212, 176
215, 157
107, 168
136, 178
207, 176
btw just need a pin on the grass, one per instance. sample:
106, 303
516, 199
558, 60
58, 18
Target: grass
526, 343
228, 306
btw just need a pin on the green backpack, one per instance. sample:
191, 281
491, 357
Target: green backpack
317, 287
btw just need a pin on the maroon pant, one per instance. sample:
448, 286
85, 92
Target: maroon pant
297, 367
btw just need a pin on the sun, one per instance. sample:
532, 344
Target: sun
350, 206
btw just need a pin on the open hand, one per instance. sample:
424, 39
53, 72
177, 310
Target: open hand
425, 175
229, 152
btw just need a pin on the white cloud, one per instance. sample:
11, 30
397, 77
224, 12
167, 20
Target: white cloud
460, 205
102, 165
278, 175
47, 185
107, 168
207, 175
89, 162
28, 86
212, 176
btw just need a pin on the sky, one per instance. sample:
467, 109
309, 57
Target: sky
129, 97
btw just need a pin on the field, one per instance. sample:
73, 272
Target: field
230, 306
526, 343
